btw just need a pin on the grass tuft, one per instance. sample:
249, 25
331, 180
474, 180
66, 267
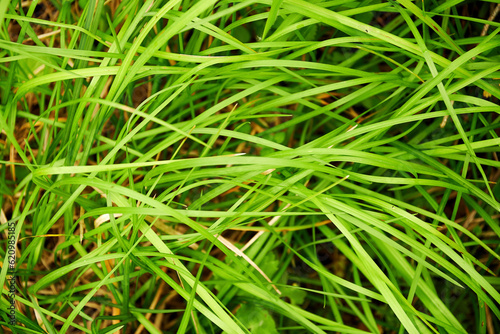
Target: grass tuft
270, 167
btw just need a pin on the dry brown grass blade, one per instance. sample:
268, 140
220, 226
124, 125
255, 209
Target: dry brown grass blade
239, 252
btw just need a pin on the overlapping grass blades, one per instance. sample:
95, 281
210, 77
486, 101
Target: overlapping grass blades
357, 140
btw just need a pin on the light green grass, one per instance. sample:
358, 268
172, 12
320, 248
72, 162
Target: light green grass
350, 149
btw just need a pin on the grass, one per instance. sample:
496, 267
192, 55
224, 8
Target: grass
279, 166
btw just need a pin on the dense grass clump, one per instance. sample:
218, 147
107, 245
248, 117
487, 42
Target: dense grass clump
282, 166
